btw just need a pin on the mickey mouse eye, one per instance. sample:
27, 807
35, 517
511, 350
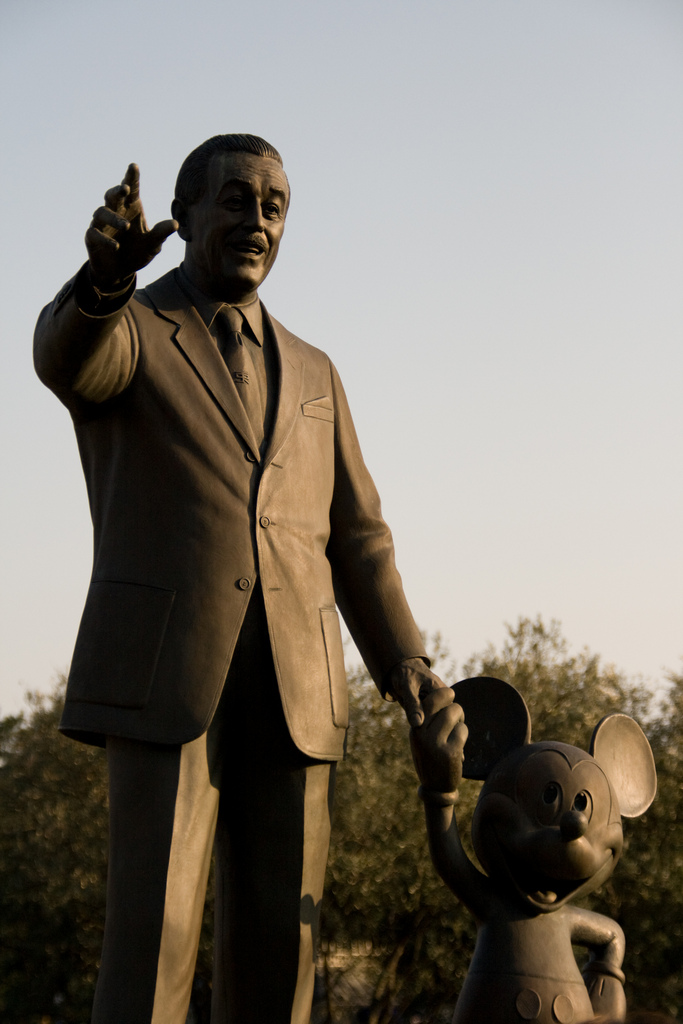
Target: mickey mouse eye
583, 803
550, 804
551, 793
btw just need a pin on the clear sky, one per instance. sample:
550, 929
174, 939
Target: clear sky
485, 235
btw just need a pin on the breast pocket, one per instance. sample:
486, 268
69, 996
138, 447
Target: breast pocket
319, 409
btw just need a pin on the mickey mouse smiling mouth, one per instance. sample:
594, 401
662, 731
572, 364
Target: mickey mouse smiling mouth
548, 891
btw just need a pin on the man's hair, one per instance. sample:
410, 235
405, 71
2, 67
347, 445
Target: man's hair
191, 181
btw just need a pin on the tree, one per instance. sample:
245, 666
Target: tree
567, 694
53, 834
53, 870
646, 894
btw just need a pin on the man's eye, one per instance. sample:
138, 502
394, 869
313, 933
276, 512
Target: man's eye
271, 210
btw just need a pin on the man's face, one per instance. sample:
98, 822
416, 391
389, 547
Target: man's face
233, 233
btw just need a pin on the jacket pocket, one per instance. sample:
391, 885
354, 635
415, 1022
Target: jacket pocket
339, 694
118, 644
319, 408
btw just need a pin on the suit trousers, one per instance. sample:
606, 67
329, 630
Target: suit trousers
244, 788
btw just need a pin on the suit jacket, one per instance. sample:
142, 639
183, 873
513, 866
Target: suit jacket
187, 515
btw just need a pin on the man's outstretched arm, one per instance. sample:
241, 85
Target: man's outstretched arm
82, 346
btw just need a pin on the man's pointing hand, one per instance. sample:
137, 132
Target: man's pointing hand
118, 240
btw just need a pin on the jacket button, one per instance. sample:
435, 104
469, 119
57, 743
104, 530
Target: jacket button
244, 583
249, 456
264, 521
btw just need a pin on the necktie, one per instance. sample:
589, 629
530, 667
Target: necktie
238, 360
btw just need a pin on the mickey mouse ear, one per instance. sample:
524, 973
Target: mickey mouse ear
497, 719
622, 750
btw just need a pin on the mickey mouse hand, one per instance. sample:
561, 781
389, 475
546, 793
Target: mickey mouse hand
605, 989
437, 746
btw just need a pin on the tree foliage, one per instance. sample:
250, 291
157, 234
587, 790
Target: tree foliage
647, 891
395, 942
53, 870
53, 835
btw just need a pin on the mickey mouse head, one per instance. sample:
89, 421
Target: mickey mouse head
547, 825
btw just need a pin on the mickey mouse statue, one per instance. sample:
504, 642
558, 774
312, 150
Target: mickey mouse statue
546, 829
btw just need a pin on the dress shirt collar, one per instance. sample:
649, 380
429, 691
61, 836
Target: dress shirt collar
208, 309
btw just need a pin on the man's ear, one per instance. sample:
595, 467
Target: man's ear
498, 721
179, 213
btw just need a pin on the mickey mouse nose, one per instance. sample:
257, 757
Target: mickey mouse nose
573, 825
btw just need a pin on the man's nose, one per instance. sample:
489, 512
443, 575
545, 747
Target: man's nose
254, 219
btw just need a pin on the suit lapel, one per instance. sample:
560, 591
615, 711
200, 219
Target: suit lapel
194, 340
291, 383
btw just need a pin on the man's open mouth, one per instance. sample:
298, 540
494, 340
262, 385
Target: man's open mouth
251, 247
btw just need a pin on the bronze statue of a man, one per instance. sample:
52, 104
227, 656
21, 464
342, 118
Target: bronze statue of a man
232, 513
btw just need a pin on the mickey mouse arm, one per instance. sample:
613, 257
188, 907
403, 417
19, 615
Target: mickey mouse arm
450, 859
437, 748
602, 973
